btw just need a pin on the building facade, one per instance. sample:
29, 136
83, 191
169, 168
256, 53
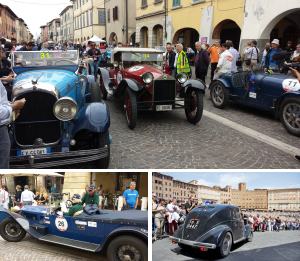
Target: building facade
284, 199
250, 199
66, 24
54, 30
151, 21
7, 22
162, 185
89, 19
44, 33
120, 21
183, 190
23, 33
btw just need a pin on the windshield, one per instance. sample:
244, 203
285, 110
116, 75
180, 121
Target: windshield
45, 58
142, 57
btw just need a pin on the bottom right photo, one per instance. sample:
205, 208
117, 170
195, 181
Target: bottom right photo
226, 216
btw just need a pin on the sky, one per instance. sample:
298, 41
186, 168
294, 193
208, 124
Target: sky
36, 12
268, 180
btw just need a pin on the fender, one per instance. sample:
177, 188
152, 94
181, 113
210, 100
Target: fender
133, 231
94, 117
23, 222
214, 235
191, 83
282, 97
223, 81
132, 84
105, 77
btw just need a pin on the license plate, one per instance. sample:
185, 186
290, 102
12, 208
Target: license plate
163, 107
193, 223
33, 152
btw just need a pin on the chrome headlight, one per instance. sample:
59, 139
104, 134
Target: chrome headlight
182, 78
147, 77
65, 109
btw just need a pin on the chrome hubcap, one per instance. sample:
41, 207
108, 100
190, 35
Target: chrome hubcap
129, 253
218, 94
13, 229
227, 244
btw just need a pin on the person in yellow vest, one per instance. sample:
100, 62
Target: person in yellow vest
181, 61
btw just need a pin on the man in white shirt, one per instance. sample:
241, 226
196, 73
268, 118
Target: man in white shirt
27, 196
6, 109
235, 55
225, 61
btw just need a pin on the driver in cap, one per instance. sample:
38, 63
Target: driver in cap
76, 207
91, 197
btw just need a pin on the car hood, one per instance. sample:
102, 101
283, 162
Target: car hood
139, 70
58, 81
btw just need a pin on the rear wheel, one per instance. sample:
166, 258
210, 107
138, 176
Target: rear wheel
130, 107
219, 95
11, 231
289, 114
225, 246
127, 248
193, 105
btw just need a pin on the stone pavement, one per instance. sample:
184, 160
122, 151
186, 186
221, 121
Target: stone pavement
31, 249
266, 246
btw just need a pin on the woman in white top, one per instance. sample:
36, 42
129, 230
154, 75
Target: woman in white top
4, 197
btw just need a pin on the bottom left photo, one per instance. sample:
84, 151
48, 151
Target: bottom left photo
74, 216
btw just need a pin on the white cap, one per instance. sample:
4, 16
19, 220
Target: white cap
275, 41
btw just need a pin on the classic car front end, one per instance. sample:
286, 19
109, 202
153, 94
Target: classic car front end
215, 227
60, 124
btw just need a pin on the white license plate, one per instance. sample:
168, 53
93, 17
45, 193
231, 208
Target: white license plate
163, 107
33, 152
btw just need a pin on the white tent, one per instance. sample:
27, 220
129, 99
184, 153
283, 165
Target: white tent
96, 39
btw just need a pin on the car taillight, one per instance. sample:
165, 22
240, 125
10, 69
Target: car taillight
203, 249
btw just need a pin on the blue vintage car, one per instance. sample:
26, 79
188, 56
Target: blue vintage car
122, 235
64, 120
277, 93
215, 227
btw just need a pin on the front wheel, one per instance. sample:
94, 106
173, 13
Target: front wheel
104, 142
219, 95
289, 114
193, 105
125, 248
225, 246
130, 107
102, 88
11, 231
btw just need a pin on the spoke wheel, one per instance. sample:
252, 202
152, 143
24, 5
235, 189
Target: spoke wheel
11, 231
290, 115
130, 108
226, 244
219, 94
193, 105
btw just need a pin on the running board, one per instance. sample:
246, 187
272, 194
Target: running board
70, 243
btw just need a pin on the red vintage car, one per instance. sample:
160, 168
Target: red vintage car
137, 76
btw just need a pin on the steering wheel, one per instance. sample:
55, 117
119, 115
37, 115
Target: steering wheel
64, 62
69, 203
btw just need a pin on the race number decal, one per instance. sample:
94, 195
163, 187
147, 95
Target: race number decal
136, 68
45, 55
119, 77
61, 224
291, 85
252, 95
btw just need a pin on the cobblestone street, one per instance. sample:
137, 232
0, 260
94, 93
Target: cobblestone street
167, 140
267, 246
31, 249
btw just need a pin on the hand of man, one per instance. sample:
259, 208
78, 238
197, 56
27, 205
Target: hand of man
295, 73
8, 78
18, 104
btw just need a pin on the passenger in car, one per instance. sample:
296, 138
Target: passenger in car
225, 61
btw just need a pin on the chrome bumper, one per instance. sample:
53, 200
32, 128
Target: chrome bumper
193, 243
57, 159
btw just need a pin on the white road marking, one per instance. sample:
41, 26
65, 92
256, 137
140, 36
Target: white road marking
254, 134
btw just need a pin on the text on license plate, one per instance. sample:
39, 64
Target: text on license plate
164, 107
33, 152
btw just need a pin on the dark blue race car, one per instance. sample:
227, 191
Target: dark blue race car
277, 93
122, 235
64, 120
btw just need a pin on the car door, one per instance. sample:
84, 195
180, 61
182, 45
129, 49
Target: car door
237, 224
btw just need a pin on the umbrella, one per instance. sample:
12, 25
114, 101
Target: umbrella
97, 39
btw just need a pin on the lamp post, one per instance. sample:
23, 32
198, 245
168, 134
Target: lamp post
126, 20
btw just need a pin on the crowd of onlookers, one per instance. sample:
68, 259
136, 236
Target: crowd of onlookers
167, 215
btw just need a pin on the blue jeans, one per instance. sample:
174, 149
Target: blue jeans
4, 147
